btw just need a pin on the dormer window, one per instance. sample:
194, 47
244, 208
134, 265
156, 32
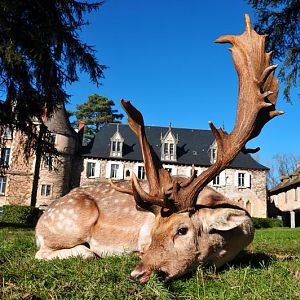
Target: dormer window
51, 138
116, 149
168, 146
213, 152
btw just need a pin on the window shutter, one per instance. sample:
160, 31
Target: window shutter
97, 169
188, 171
236, 178
107, 170
120, 173
247, 180
223, 178
135, 169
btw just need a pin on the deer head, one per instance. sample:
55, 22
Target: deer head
187, 216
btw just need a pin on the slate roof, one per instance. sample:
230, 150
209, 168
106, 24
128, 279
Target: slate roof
59, 123
192, 148
288, 182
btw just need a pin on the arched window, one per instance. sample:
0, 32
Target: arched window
249, 206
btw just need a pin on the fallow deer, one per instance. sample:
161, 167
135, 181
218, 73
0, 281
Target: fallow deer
174, 223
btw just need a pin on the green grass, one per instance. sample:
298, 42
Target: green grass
270, 269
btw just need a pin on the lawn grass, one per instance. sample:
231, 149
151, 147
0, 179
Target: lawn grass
270, 269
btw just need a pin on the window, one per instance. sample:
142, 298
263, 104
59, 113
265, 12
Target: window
8, 133
2, 184
169, 151
127, 173
141, 172
51, 138
48, 163
5, 155
213, 155
114, 170
46, 190
216, 180
241, 179
90, 169
166, 149
116, 148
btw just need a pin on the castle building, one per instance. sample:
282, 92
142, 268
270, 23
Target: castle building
285, 197
18, 165
115, 154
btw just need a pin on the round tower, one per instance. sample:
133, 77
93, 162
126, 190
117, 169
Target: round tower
56, 171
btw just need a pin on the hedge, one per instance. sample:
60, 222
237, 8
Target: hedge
266, 223
26, 216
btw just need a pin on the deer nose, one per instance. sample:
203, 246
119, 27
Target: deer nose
140, 275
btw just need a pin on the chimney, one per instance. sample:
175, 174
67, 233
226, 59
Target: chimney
80, 131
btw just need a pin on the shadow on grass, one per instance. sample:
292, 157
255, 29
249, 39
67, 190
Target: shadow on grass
256, 260
17, 226
244, 259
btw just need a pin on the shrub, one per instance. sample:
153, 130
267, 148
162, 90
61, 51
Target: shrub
266, 223
26, 216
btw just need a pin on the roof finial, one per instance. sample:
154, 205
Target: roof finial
170, 125
118, 127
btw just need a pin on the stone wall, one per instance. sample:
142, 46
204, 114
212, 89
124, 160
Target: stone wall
252, 197
58, 178
19, 174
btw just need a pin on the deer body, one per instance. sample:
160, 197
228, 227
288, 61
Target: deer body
179, 223
101, 217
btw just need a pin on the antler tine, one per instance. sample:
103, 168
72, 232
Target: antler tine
258, 90
190, 179
121, 189
158, 178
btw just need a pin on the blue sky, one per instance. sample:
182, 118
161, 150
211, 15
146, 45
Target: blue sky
161, 55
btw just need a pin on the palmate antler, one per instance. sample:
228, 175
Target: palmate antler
258, 90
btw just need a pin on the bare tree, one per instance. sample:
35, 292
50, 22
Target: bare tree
283, 164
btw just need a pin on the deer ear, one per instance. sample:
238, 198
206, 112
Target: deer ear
225, 219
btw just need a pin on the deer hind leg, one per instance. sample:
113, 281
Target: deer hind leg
66, 226
79, 250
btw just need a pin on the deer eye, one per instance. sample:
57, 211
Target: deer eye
182, 230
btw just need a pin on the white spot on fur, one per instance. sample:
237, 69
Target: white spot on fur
60, 226
60, 217
39, 241
70, 200
144, 239
106, 250
126, 210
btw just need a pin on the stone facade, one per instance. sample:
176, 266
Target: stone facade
19, 174
253, 197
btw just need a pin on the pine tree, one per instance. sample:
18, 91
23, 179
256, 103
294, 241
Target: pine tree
40, 52
96, 112
280, 20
